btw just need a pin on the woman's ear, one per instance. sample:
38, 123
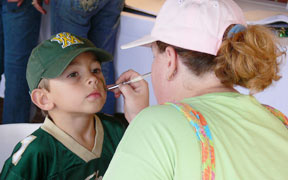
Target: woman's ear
41, 99
172, 58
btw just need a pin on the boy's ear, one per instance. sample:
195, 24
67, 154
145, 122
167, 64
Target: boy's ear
41, 99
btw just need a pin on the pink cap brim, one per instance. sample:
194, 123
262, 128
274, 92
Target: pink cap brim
144, 41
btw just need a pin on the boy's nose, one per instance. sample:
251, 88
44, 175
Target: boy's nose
92, 80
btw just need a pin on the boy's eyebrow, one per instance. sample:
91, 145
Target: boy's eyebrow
73, 63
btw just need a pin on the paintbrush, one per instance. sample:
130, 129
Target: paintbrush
139, 78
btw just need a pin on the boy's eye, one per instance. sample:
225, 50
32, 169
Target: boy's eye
96, 70
74, 74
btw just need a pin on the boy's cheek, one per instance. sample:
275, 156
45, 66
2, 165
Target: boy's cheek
103, 84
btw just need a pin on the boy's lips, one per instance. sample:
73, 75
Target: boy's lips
94, 94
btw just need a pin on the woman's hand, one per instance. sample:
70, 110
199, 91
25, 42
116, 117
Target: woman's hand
19, 2
136, 95
38, 5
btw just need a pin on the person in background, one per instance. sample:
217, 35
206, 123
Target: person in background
203, 128
1, 44
66, 82
1, 59
21, 25
93, 19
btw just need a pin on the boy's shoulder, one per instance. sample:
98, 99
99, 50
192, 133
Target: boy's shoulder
114, 129
27, 156
34, 143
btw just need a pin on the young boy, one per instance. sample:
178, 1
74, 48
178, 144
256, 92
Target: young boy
65, 81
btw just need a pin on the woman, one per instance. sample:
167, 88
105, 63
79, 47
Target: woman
201, 50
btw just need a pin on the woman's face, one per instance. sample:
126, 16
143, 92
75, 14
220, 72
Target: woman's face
158, 74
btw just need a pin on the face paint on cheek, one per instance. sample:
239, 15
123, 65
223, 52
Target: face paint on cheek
103, 84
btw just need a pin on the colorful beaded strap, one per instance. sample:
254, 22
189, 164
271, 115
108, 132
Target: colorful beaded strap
278, 114
203, 133
202, 130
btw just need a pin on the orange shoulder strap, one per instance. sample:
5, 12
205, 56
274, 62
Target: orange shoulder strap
278, 114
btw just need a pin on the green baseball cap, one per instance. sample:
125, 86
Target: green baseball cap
50, 58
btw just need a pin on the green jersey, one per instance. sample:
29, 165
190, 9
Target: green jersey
50, 153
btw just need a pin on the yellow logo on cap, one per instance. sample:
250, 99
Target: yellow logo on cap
66, 39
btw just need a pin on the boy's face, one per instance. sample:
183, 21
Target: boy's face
81, 87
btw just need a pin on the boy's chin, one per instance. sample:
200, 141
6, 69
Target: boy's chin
97, 110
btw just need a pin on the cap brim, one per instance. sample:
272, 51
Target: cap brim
102, 55
56, 70
144, 41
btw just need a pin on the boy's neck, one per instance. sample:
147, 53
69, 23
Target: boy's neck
79, 127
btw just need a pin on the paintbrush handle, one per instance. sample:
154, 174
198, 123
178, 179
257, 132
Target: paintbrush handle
131, 81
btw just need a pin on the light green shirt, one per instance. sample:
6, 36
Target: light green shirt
249, 142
